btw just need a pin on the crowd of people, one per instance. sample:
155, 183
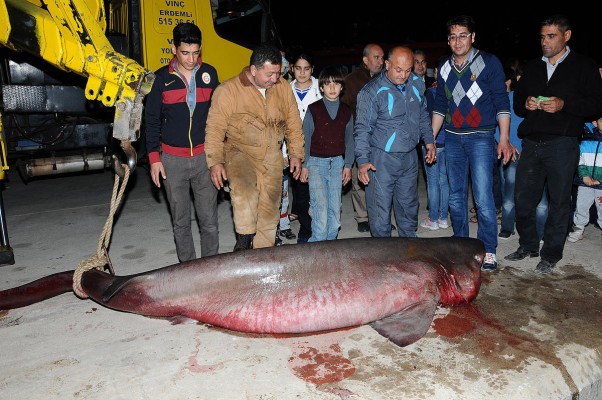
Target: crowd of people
510, 135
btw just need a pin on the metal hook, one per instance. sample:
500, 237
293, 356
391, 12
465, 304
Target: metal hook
131, 155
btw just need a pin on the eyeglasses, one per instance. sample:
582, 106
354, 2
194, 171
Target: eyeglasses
462, 36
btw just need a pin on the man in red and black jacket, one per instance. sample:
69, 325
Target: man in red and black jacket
175, 119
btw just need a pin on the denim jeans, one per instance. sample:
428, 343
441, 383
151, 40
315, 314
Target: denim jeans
437, 186
472, 153
325, 189
552, 163
508, 175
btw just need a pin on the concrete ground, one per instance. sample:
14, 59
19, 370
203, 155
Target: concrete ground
526, 336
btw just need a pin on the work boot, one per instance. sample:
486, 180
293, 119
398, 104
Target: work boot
244, 242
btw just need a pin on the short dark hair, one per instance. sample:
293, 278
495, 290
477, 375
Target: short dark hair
461, 20
265, 53
558, 20
329, 74
186, 32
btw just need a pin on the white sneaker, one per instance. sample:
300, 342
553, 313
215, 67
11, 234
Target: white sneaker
576, 235
442, 223
427, 223
489, 263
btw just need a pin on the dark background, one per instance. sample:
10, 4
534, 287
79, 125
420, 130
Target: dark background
336, 31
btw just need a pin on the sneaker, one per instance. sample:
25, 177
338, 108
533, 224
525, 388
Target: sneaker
442, 223
427, 223
489, 264
287, 233
278, 241
505, 234
576, 235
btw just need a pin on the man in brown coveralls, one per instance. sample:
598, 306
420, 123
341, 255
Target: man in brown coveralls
250, 116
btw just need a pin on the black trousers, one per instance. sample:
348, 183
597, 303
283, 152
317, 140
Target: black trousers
552, 161
300, 207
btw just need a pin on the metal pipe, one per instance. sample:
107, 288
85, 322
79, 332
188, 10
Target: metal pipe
65, 164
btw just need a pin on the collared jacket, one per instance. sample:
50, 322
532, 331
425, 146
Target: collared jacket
390, 121
576, 80
170, 125
251, 123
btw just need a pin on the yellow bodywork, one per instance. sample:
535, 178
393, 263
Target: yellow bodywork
159, 17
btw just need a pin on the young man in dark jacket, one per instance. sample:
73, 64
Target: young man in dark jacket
555, 95
175, 117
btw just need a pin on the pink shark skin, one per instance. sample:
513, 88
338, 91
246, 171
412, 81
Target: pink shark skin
393, 284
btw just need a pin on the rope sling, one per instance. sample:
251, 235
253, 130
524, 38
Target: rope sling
101, 258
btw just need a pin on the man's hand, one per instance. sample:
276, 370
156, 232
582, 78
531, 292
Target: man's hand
431, 153
553, 105
157, 172
295, 167
505, 151
218, 175
346, 174
362, 172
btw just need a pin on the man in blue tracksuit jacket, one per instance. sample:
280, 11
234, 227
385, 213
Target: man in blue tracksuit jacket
391, 119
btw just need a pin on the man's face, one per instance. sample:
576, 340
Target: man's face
553, 41
266, 76
187, 55
460, 40
420, 65
400, 67
374, 60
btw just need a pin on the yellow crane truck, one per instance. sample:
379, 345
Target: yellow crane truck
74, 74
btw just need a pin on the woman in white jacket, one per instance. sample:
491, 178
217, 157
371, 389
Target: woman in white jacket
306, 90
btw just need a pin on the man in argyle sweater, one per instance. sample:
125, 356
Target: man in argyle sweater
471, 100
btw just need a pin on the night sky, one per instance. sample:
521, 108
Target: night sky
511, 32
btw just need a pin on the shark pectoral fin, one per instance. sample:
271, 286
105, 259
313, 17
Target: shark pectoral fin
408, 325
119, 283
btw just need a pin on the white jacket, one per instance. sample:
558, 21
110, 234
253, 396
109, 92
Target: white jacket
312, 95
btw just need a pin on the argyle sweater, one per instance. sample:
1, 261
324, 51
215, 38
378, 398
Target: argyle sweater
473, 98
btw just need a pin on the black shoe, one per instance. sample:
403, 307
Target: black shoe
393, 227
278, 241
287, 233
545, 267
363, 226
244, 242
302, 240
505, 234
521, 254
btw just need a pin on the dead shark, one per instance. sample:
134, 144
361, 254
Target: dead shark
393, 284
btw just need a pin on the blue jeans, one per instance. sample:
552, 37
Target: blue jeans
325, 189
508, 176
437, 186
474, 154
